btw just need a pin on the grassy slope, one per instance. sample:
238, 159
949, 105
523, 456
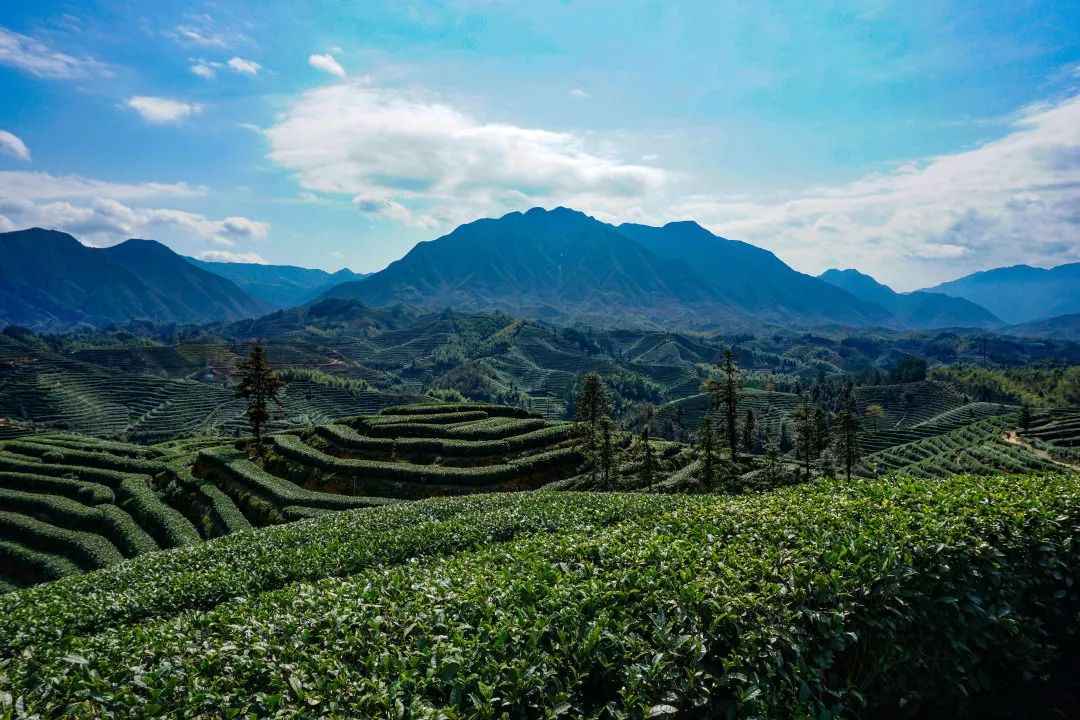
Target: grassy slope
787, 603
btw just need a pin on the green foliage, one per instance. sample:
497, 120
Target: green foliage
1037, 387
826, 600
87, 550
260, 386
237, 468
909, 369
84, 492
108, 521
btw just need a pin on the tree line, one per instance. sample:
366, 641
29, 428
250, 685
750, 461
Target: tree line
821, 433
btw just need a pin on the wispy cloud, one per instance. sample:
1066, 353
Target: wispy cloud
25, 185
414, 158
13, 145
38, 59
1014, 199
327, 63
232, 257
579, 93
208, 69
162, 110
245, 67
199, 31
205, 69
104, 221
104, 212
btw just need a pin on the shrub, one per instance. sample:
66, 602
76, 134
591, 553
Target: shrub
87, 550
830, 599
87, 493
279, 491
295, 449
109, 521
33, 566
491, 409
223, 511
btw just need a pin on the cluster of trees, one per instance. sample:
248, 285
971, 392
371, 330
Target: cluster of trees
826, 427
1038, 387
822, 432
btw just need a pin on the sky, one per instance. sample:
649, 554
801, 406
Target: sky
917, 142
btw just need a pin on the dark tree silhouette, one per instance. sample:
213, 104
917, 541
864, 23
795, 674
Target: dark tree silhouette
648, 459
592, 413
1025, 417
805, 417
847, 438
724, 397
749, 431
707, 446
259, 385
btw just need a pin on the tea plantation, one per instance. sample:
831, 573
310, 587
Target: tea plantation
72, 504
874, 597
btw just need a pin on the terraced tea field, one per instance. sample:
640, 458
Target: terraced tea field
1057, 432
51, 392
72, 504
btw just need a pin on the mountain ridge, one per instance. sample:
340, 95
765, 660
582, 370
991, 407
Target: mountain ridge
50, 281
1020, 293
282, 286
918, 309
562, 265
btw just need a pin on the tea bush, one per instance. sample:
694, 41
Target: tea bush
823, 600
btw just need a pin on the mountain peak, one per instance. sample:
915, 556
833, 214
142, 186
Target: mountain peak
39, 234
142, 247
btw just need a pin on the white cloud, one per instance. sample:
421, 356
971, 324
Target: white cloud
102, 213
38, 59
199, 31
162, 110
413, 158
13, 145
246, 67
1012, 200
327, 63
233, 257
35, 186
337, 254
205, 69
579, 93
104, 221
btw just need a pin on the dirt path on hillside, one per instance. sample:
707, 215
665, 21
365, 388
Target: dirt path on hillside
1012, 438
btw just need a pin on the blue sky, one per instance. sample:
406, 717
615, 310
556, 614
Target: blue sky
915, 141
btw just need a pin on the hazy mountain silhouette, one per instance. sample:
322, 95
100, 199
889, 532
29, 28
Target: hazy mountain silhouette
1020, 293
922, 310
50, 281
282, 286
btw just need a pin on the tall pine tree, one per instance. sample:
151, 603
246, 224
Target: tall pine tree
260, 386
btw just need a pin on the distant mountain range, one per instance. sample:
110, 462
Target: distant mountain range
924, 310
562, 265
1020, 293
282, 286
49, 281
557, 265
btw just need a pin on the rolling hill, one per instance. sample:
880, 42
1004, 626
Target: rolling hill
922, 310
562, 265
282, 286
1020, 293
49, 281
1062, 327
